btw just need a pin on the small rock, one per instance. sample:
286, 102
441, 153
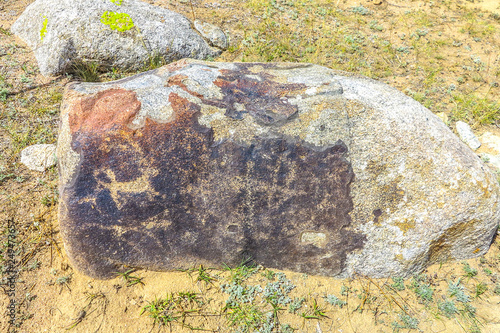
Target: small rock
467, 136
39, 157
215, 36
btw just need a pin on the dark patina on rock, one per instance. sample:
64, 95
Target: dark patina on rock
167, 195
212, 163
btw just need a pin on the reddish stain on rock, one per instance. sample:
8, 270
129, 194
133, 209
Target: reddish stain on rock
108, 110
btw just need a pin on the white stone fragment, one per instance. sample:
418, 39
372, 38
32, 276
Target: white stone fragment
39, 157
467, 136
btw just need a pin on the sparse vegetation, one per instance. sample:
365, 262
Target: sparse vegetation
441, 53
130, 279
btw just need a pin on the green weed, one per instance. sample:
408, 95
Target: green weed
469, 271
398, 284
161, 310
86, 71
474, 109
455, 289
314, 311
63, 280
176, 308
130, 279
203, 274
242, 272
480, 289
406, 322
422, 289
448, 308
154, 61
335, 301
296, 304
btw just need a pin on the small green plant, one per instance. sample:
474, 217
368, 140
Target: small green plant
4, 91
422, 289
4, 31
49, 200
448, 308
269, 274
87, 71
315, 312
375, 26
360, 10
175, 308
480, 289
62, 280
405, 322
117, 21
203, 274
242, 272
6, 176
469, 271
161, 311
130, 279
43, 31
399, 283
296, 304
334, 300
154, 61
457, 290
345, 291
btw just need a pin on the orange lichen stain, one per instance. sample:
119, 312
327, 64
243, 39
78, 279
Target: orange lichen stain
405, 226
107, 110
485, 188
476, 250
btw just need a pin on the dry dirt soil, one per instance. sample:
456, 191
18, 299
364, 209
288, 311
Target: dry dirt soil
445, 54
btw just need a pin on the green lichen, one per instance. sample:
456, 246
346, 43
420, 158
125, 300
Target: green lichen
117, 21
43, 31
117, 2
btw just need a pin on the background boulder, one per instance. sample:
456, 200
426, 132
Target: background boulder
65, 32
296, 166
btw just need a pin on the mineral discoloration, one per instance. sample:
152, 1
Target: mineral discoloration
293, 165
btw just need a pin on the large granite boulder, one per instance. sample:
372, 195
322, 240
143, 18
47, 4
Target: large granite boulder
124, 34
296, 166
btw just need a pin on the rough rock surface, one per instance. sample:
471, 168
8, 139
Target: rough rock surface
39, 157
64, 32
294, 165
